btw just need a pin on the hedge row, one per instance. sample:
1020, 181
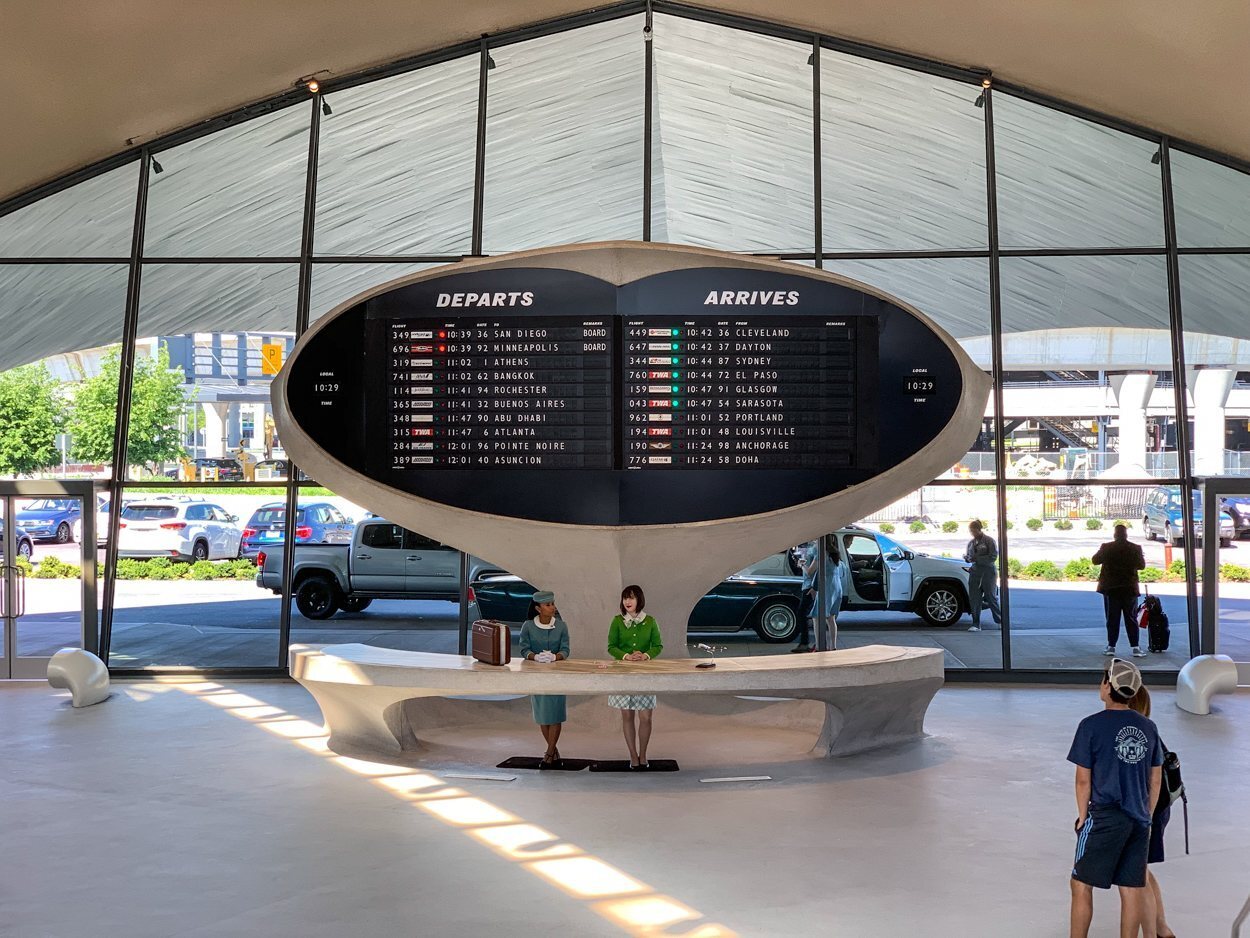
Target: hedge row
158, 568
1033, 524
1082, 568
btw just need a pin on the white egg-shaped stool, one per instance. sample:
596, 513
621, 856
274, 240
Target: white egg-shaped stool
82, 673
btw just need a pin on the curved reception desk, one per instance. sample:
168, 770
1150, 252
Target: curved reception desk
873, 696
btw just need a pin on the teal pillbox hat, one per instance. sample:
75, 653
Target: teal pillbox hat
544, 596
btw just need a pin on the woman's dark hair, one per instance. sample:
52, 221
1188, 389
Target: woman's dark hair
831, 548
636, 592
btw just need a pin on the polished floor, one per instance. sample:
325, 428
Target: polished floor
215, 809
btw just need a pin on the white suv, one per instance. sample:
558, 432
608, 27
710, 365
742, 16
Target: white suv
178, 530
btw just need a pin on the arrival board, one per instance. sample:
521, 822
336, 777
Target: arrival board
769, 392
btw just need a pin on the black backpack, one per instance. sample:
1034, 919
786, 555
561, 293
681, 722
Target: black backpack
1155, 621
1174, 789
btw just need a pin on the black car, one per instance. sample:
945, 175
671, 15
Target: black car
25, 546
763, 597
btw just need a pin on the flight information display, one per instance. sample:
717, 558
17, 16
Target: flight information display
718, 392
530, 392
562, 392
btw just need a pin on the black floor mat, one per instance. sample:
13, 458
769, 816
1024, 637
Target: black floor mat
535, 762
622, 765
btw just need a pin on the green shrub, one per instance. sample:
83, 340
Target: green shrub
204, 570
181, 570
1015, 567
1010, 525
163, 563
1150, 574
158, 571
25, 566
1080, 568
1034, 524
130, 569
916, 527
1063, 524
1093, 524
1121, 521
1234, 573
885, 528
950, 527
49, 569
1043, 570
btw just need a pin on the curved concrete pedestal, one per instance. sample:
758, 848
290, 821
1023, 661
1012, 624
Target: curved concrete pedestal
1202, 678
377, 700
82, 673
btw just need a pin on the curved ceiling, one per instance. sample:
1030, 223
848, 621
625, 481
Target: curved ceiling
83, 77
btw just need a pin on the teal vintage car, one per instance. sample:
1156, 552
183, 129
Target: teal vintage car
763, 597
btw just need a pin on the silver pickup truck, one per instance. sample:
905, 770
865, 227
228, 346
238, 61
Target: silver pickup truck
384, 561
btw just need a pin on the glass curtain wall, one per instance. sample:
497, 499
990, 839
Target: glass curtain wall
1105, 296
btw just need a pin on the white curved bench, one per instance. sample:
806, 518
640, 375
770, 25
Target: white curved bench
1202, 678
82, 673
873, 696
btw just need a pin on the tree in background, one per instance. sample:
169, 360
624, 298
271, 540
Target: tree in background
31, 414
156, 402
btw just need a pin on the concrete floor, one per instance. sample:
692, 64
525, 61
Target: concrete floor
200, 810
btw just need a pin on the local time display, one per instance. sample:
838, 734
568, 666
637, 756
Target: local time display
634, 393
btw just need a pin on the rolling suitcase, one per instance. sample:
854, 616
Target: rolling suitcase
1155, 623
492, 642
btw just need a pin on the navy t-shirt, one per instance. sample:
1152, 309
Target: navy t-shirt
1119, 747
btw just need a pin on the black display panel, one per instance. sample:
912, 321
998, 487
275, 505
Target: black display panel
532, 381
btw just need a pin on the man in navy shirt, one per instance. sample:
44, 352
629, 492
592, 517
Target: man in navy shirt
1118, 760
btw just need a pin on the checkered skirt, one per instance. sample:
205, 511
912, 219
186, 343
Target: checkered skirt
632, 701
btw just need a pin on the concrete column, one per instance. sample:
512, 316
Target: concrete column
1132, 393
1209, 389
215, 429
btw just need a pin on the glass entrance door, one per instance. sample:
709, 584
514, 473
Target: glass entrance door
47, 573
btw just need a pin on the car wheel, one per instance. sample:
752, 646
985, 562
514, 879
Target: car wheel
356, 604
316, 598
1168, 536
939, 605
63, 533
777, 622
1226, 542
25, 550
1145, 529
199, 551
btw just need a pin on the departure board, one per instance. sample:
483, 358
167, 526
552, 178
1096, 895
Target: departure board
523, 391
772, 392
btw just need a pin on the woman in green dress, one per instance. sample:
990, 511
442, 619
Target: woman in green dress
634, 636
545, 638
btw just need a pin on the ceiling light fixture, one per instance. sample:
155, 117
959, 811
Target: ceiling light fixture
313, 86
325, 107
985, 86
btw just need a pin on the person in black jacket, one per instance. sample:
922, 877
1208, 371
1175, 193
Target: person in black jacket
1120, 560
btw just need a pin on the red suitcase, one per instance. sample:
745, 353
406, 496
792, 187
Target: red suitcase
492, 642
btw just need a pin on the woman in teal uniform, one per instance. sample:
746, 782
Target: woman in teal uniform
634, 636
545, 638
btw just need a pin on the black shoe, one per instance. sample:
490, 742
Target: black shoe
800, 649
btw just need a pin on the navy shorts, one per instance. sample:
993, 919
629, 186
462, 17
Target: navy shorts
1111, 849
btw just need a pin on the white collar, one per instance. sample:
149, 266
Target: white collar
550, 625
633, 618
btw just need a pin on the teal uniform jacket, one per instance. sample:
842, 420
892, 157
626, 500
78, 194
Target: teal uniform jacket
548, 708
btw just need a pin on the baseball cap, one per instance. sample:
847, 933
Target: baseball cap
1124, 677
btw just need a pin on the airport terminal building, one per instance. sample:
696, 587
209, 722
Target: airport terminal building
198, 486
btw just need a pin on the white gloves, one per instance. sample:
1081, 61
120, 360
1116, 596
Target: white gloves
545, 656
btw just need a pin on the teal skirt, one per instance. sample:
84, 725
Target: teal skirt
548, 709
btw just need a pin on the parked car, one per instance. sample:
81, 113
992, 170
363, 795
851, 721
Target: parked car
49, 519
179, 530
101, 522
1164, 517
273, 469
25, 546
228, 469
765, 596
383, 561
1238, 508
315, 523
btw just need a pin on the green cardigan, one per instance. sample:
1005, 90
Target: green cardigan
624, 639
